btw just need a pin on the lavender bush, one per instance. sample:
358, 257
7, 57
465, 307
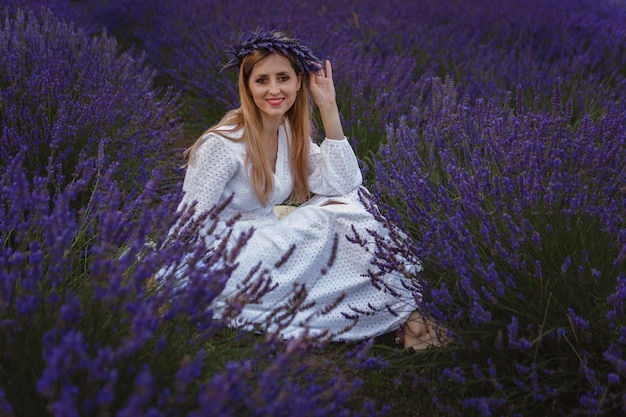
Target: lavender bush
66, 98
519, 220
85, 328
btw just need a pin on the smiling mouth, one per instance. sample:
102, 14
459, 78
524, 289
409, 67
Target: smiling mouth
275, 101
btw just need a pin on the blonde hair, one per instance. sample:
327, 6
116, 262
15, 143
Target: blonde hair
248, 118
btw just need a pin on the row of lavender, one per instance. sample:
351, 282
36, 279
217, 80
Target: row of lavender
515, 200
382, 52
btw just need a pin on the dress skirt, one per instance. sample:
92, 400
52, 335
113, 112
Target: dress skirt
341, 299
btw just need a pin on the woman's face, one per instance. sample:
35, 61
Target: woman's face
274, 85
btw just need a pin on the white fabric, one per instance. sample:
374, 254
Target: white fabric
218, 171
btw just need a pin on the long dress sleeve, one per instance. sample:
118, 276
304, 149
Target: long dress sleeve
208, 172
334, 168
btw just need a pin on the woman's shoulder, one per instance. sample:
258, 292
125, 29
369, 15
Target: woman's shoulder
223, 136
229, 131
213, 147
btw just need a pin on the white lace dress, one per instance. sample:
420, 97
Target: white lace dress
218, 171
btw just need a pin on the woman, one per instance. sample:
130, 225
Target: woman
260, 155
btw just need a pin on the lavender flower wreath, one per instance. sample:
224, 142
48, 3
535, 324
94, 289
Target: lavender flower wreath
274, 41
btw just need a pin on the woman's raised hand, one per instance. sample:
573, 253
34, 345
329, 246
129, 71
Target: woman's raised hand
322, 87
323, 92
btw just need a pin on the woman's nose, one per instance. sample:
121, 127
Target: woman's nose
274, 88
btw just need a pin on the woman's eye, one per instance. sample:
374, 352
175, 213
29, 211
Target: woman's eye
284, 78
261, 80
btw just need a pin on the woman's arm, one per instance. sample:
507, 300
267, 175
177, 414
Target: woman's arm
209, 170
322, 90
334, 166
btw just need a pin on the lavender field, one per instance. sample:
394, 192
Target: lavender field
492, 132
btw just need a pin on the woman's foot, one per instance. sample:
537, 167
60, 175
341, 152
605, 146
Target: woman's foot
420, 334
